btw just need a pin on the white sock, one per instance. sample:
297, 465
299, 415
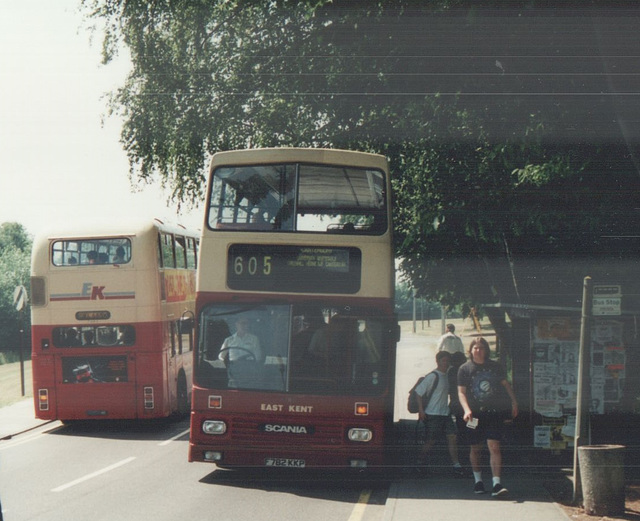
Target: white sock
477, 476
496, 481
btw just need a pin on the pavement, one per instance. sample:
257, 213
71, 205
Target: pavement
427, 493
18, 418
412, 495
430, 498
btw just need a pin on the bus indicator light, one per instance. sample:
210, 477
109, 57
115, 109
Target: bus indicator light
43, 399
149, 402
362, 409
215, 402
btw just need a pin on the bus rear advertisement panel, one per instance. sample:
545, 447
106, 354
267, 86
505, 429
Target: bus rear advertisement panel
95, 369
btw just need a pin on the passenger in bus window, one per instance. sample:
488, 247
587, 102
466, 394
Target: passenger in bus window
348, 228
284, 217
318, 346
92, 257
368, 350
88, 338
258, 222
71, 337
103, 258
126, 336
309, 341
120, 257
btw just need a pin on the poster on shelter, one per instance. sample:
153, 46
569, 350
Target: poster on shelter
555, 371
557, 328
555, 365
542, 436
607, 364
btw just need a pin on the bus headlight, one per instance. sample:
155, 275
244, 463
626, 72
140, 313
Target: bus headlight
214, 427
357, 434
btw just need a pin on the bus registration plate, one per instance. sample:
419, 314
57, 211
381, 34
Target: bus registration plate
284, 462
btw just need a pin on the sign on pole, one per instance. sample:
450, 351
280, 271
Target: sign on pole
20, 297
607, 300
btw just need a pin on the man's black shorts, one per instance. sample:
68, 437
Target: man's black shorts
490, 427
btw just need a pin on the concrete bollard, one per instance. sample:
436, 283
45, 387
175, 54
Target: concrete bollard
602, 479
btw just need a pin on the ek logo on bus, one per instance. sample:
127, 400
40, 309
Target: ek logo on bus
93, 292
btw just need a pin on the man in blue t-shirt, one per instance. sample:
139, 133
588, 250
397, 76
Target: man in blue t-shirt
484, 394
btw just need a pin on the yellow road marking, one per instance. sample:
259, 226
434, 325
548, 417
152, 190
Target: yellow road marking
358, 510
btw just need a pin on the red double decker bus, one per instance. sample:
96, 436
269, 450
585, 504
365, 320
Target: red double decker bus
296, 331
112, 322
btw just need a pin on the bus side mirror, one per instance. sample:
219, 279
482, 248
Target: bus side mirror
186, 324
396, 332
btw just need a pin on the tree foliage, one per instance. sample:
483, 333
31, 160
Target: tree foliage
406, 303
214, 75
489, 189
15, 261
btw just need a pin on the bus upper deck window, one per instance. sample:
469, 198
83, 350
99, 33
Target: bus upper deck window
91, 251
299, 197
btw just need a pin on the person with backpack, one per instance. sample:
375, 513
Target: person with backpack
433, 409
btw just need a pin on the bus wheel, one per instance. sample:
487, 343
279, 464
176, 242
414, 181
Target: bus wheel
183, 395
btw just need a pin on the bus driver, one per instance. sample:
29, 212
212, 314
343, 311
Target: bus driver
242, 345
241, 353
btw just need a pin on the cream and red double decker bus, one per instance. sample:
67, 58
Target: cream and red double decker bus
112, 313
296, 331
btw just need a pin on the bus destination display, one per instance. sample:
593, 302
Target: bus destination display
294, 269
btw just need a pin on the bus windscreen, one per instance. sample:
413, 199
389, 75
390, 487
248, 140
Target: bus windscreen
297, 349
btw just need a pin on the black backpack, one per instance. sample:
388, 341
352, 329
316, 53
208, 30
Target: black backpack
412, 402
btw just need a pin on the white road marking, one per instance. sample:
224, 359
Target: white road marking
93, 475
166, 442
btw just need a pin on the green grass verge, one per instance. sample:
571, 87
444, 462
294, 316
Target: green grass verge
10, 383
